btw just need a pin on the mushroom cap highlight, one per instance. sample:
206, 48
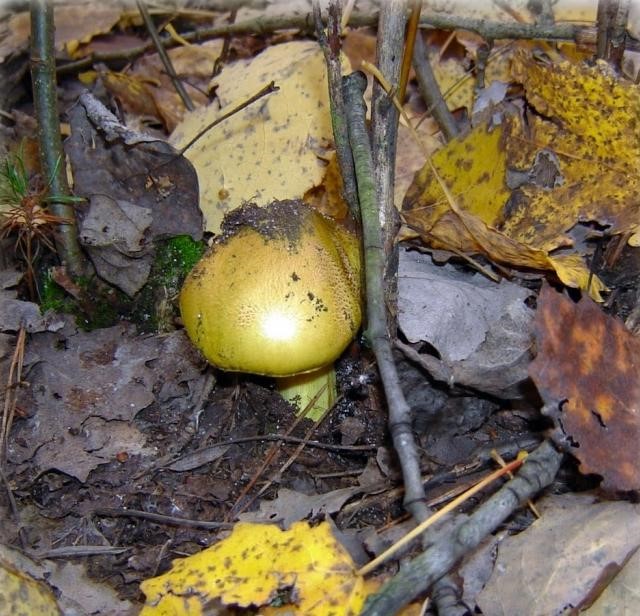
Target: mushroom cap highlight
278, 294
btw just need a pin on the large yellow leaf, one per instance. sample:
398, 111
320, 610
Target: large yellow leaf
270, 150
257, 565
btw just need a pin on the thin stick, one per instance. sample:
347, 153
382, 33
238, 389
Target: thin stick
164, 56
268, 89
161, 518
330, 44
10, 400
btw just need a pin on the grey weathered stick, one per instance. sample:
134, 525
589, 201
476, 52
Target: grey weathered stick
267, 25
384, 118
375, 261
430, 91
330, 44
613, 16
49, 140
417, 576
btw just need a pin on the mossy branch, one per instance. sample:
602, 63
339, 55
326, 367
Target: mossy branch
50, 143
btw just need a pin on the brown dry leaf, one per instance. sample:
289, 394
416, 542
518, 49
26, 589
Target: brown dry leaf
86, 388
587, 367
138, 190
327, 197
193, 64
256, 563
74, 24
133, 93
271, 150
564, 560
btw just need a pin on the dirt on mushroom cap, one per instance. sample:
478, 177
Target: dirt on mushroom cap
278, 294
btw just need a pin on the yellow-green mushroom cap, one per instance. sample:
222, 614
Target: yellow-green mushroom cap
278, 294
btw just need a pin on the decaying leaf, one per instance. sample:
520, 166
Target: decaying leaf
519, 191
291, 506
138, 189
270, 150
86, 387
587, 370
74, 24
564, 560
304, 567
450, 310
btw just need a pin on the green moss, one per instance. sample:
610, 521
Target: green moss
155, 307
52, 296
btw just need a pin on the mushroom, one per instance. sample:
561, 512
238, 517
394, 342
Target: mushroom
278, 294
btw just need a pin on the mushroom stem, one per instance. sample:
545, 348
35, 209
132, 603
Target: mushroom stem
316, 388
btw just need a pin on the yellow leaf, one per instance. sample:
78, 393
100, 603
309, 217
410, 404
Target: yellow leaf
271, 149
574, 162
256, 565
21, 594
473, 167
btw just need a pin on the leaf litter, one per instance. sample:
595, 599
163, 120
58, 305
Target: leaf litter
112, 426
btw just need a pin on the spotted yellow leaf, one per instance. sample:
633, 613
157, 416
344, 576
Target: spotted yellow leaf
260, 565
272, 149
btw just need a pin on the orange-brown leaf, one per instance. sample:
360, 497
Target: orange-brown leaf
588, 365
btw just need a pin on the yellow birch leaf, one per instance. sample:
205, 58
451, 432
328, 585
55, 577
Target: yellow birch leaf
592, 103
473, 167
21, 594
271, 149
575, 163
255, 565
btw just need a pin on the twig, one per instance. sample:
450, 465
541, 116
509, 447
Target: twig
612, 24
331, 45
384, 127
50, 143
14, 380
418, 575
268, 25
430, 91
164, 57
412, 32
161, 519
374, 260
268, 89
14, 509
78, 551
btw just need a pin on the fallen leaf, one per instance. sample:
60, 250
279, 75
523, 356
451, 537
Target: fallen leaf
520, 191
86, 387
21, 594
586, 370
270, 150
138, 189
291, 506
449, 309
621, 596
304, 566
563, 559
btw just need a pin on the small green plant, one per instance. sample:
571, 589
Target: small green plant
23, 215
